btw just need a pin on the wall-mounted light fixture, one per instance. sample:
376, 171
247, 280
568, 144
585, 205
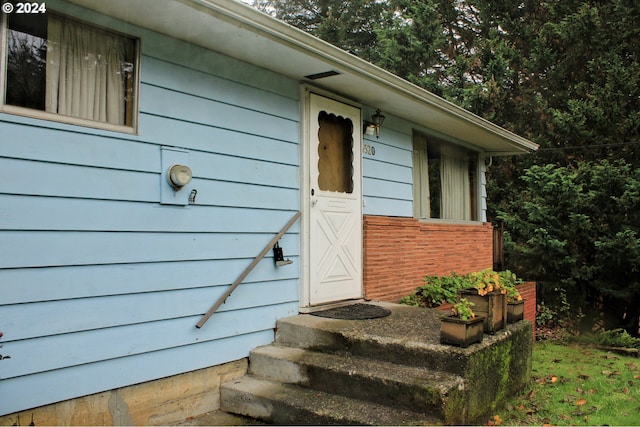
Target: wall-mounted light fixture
374, 125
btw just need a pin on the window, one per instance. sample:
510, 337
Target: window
62, 67
444, 180
335, 153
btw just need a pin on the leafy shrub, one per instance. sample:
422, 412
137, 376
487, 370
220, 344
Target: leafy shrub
618, 338
577, 228
412, 300
438, 290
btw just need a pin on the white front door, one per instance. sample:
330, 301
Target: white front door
335, 211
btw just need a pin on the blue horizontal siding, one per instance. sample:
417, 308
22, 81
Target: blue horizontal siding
68, 147
169, 131
393, 154
163, 74
388, 207
388, 175
75, 214
28, 177
35, 390
243, 170
54, 248
386, 171
389, 189
191, 108
80, 348
86, 314
25, 285
101, 284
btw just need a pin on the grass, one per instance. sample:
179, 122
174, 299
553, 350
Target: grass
574, 384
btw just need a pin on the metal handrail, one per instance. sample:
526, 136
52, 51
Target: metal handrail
246, 271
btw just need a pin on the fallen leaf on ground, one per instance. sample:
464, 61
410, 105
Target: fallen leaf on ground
581, 402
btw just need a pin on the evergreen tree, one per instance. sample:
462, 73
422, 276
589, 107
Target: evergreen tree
564, 74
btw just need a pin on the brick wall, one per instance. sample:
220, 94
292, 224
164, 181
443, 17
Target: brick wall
399, 252
528, 292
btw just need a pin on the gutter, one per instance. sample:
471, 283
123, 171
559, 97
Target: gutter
260, 23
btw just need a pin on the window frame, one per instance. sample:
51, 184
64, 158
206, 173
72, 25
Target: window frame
60, 118
475, 184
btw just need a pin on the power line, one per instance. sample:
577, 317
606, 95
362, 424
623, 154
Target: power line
579, 147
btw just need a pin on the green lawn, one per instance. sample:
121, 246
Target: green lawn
577, 385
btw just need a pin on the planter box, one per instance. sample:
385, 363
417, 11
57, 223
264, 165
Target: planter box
493, 307
515, 311
461, 332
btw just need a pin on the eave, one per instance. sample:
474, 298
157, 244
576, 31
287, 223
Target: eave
237, 30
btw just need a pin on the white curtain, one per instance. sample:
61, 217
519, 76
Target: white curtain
421, 196
85, 75
456, 191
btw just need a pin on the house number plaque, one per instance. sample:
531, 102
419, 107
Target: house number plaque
369, 150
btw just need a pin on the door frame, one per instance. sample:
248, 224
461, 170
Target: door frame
305, 188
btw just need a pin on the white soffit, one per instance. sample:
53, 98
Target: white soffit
239, 31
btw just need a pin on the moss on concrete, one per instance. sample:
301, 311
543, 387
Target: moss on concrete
493, 375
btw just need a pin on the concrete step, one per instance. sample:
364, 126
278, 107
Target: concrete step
416, 344
386, 371
287, 404
414, 388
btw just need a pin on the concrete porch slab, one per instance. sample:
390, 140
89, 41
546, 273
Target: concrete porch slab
349, 356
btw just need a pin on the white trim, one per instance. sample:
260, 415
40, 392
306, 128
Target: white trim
305, 198
449, 221
60, 118
69, 120
224, 25
305, 187
341, 59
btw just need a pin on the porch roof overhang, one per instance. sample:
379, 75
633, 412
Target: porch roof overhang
237, 30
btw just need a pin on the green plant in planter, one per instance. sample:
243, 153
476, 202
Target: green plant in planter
463, 327
484, 281
412, 300
462, 309
436, 291
508, 282
486, 292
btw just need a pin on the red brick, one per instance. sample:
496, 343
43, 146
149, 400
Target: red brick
399, 252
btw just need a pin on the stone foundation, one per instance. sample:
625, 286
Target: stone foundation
162, 402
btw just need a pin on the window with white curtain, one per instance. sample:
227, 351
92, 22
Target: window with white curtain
444, 180
69, 71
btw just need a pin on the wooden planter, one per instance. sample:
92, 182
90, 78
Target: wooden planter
461, 332
515, 311
493, 307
